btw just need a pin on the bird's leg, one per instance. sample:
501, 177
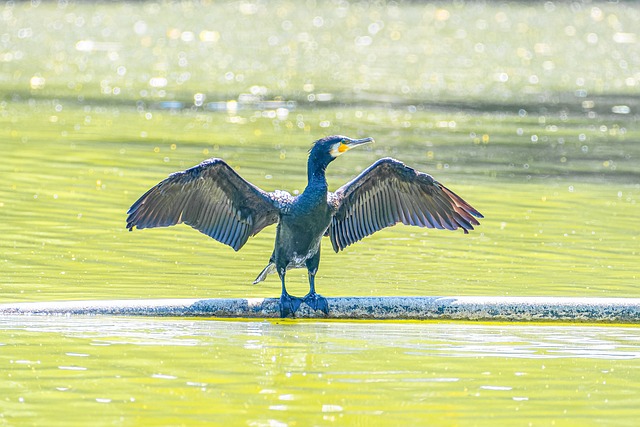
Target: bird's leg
313, 300
288, 304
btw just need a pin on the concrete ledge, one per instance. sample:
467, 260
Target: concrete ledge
609, 310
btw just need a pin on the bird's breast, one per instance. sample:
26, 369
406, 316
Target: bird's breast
301, 230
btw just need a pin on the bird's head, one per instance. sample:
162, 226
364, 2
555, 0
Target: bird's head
325, 150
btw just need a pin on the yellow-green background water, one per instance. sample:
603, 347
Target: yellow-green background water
528, 111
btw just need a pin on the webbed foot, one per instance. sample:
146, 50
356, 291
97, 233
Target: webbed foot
317, 302
289, 305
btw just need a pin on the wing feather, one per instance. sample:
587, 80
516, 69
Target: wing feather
212, 198
389, 192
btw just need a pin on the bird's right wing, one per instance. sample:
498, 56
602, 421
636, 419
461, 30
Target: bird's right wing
388, 192
212, 198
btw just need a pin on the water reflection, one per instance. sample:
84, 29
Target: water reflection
425, 339
276, 373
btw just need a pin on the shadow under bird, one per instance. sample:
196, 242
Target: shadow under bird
212, 198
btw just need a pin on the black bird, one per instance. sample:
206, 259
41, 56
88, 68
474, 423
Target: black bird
212, 198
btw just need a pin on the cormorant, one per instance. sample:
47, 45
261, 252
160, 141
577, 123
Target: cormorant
212, 198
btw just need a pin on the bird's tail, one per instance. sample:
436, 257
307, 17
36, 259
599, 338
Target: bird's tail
269, 269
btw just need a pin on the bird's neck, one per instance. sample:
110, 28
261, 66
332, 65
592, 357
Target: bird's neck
316, 174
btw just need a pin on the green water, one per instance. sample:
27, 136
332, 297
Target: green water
175, 372
528, 111
546, 233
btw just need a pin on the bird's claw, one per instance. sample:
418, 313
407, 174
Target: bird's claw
289, 305
317, 302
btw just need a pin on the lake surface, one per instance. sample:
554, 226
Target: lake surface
105, 371
528, 111
561, 233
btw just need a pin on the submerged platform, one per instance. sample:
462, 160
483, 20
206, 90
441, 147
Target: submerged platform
596, 310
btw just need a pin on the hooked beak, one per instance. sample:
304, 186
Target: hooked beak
347, 144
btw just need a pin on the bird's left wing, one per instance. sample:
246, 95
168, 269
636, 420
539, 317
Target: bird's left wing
212, 198
389, 192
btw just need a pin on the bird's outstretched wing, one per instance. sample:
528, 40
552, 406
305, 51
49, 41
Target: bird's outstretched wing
389, 192
212, 198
